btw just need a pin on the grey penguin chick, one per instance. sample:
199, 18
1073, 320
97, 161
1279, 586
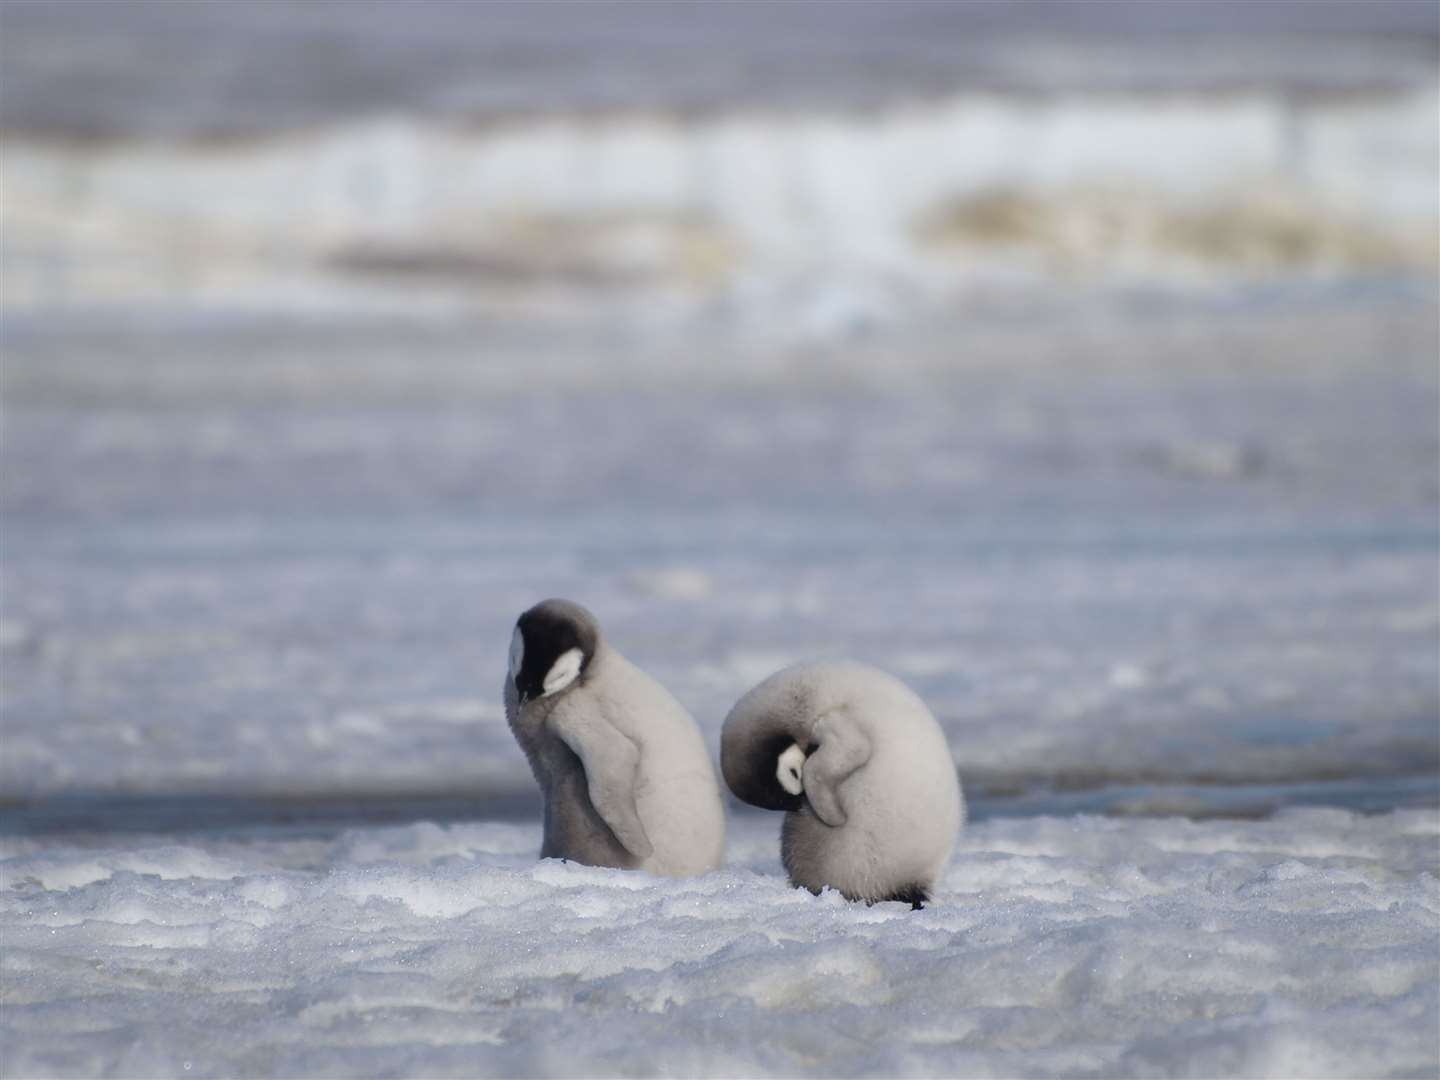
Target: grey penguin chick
626, 777
864, 772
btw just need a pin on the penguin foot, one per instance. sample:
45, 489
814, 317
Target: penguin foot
917, 896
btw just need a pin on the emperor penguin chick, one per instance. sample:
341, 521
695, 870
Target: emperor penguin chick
862, 769
624, 771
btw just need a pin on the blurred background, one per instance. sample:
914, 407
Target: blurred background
1077, 362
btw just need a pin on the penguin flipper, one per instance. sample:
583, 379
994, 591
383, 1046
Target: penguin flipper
842, 748
611, 761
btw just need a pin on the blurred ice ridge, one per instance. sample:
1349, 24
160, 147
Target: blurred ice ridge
855, 212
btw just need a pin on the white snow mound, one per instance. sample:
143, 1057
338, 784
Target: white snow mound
1305, 945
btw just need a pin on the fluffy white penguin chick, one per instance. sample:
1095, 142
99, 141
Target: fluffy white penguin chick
625, 774
864, 771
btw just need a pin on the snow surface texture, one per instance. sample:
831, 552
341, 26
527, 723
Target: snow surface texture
1307, 945
247, 559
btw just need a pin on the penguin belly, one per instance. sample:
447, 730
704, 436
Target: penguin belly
685, 821
677, 794
898, 835
681, 810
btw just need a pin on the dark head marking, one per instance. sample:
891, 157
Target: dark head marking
553, 645
748, 759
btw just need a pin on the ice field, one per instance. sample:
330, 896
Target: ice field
1141, 556
257, 559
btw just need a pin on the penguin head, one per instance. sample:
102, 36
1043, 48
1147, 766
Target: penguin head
551, 648
763, 767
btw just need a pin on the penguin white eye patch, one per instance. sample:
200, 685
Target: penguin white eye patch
517, 652
788, 769
563, 672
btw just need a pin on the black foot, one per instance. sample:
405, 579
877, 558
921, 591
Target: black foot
914, 895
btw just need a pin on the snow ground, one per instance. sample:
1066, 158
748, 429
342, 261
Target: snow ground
1140, 556
1305, 945
251, 560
